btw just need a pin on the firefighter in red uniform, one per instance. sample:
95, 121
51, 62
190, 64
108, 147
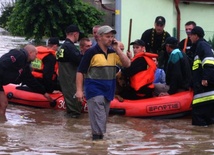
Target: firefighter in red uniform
45, 66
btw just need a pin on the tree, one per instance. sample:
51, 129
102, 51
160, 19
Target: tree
6, 9
48, 18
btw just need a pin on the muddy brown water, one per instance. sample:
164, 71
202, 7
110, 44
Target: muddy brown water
37, 131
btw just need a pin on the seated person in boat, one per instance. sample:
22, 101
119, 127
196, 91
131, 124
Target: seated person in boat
178, 73
160, 75
15, 68
45, 66
141, 72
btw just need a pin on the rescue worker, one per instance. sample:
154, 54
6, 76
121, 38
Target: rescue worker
141, 73
186, 44
69, 58
45, 66
15, 68
203, 81
154, 38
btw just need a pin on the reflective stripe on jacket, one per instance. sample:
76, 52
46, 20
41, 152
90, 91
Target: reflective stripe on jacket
203, 69
203, 97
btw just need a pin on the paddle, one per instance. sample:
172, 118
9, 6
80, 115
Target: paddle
129, 39
130, 31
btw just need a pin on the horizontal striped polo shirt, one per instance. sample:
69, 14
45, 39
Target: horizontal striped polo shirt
99, 70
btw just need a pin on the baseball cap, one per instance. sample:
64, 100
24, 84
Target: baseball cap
138, 42
171, 41
53, 41
72, 28
160, 20
105, 29
199, 31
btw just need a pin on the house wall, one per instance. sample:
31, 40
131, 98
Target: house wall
202, 14
144, 12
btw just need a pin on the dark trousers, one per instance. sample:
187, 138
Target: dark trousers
67, 79
203, 115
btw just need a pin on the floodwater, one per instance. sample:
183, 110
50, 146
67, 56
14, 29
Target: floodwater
37, 131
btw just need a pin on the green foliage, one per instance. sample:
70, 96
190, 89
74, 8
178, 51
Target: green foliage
6, 11
45, 18
211, 41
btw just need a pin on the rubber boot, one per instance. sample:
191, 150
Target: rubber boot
95, 137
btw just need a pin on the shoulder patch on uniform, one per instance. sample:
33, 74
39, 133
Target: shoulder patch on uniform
13, 59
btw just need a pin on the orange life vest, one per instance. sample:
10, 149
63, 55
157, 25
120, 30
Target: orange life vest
38, 66
145, 77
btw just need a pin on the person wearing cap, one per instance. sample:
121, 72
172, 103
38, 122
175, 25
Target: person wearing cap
69, 57
203, 81
15, 68
140, 73
45, 67
98, 70
178, 73
186, 44
154, 38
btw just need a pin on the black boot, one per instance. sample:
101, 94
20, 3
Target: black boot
101, 136
95, 137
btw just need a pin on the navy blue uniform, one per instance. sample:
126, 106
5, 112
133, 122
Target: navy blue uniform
14, 70
203, 69
154, 43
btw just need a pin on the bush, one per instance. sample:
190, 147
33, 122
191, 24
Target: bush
211, 41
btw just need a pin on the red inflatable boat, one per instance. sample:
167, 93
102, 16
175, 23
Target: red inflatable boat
172, 106
22, 95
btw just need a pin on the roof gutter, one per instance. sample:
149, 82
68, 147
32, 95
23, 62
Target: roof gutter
201, 1
178, 18
106, 8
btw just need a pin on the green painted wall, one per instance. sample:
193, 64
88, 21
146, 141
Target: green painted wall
144, 12
202, 14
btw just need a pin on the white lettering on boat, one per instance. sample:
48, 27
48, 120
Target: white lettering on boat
61, 104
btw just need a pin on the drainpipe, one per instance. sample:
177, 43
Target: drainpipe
118, 18
178, 18
117, 12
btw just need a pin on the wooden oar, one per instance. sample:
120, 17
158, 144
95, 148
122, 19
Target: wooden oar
130, 31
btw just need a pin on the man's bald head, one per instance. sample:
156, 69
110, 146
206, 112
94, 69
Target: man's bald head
32, 52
